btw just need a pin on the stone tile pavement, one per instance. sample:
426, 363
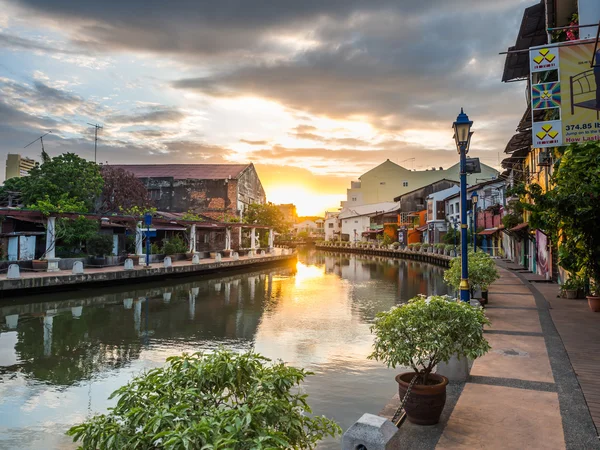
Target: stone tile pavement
524, 394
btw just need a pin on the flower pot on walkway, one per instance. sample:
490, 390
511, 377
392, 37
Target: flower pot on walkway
594, 302
425, 403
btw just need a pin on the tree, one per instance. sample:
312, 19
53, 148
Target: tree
70, 230
570, 211
222, 400
63, 177
267, 214
121, 191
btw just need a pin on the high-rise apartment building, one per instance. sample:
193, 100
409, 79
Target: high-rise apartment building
18, 166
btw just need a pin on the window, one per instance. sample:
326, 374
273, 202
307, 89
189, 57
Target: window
356, 221
353, 199
451, 209
382, 183
331, 225
154, 194
456, 207
405, 183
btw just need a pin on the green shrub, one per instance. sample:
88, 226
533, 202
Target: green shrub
174, 245
100, 245
215, 401
424, 332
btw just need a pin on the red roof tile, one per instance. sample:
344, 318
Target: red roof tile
184, 171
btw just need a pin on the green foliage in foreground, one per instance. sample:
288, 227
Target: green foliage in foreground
423, 332
209, 401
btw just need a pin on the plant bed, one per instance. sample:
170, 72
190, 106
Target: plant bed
135, 259
39, 264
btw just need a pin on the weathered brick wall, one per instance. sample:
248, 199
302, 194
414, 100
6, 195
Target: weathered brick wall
209, 197
250, 188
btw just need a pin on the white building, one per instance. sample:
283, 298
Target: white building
332, 225
389, 180
436, 213
356, 220
312, 227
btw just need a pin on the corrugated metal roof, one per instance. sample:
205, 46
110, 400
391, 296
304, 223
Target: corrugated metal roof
185, 171
531, 34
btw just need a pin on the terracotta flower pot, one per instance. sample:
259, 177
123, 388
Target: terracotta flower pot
39, 264
594, 302
426, 402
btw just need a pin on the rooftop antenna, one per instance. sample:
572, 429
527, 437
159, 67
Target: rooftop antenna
409, 159
45, 156
96, 127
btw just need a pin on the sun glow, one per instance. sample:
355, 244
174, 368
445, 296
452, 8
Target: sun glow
308, 202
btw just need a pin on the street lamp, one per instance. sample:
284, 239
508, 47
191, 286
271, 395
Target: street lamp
462, 137
474, 199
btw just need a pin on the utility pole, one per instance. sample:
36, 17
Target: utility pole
96, 127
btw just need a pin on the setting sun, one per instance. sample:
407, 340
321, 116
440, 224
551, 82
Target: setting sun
308, 203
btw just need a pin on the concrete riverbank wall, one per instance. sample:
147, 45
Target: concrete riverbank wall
429, 257
40, 283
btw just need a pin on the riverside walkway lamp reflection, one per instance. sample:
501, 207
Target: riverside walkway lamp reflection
462, 137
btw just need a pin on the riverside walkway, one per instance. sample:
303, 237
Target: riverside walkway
538, 388
41, 282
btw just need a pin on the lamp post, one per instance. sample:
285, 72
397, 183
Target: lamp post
462, 137
474, 198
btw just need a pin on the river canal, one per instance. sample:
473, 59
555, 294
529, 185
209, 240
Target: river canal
61, 356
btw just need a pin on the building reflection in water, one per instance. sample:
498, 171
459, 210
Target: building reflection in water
73, 348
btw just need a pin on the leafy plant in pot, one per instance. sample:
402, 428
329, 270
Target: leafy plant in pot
420, 334
482, 272
570, 288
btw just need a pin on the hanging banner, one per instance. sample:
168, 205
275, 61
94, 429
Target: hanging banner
567, 89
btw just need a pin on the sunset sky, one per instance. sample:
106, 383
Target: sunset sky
314, 93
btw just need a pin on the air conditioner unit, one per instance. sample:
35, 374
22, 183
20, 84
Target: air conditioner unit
544, 159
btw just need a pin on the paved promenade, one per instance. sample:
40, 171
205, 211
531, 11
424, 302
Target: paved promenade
525, 393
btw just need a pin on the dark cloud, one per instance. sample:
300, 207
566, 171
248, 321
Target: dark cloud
14, 42
198, 152
153, 114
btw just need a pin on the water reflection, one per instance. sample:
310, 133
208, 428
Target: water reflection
61, 358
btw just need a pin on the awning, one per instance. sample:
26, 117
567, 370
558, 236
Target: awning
531, 33
423, 228
488, 232
168, 228
372, 232
521, 226
111, 225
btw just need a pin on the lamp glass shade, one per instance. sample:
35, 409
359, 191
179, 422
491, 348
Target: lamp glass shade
474, 197
462, 132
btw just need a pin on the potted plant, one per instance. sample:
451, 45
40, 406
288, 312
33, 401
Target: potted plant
482, 273
570, 288
99, 247
420, 334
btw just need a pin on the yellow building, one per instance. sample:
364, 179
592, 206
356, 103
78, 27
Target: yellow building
389, 180
18, 166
